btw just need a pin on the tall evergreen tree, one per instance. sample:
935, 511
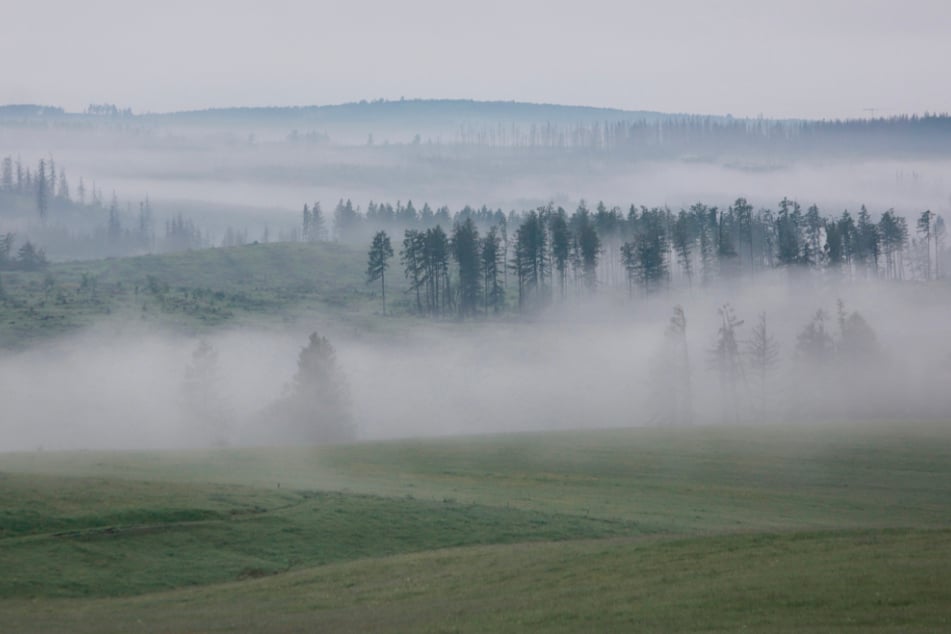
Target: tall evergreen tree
465, 245
492, 262
42, 192
924, 225
728, 362
413, 259
378, 261
762, 352
560, 248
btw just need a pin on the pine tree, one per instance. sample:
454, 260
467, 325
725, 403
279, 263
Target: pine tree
492, 262
560, 248
763, 354
378, 261
306, 220
413, 261
42, 192
671, 389
924, 226
465, 250
203, 402
317, 406
728, 362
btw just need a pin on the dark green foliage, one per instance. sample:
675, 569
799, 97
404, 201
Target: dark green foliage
588, 245
492, 265
682, 238
561, 244
651, 247
893, 232
530, 262
378, 261
789, 233
465, 246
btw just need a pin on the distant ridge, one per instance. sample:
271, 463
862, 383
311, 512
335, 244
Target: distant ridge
397, 111
431, 110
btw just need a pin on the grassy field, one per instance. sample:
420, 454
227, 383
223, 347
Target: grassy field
845, 527
194, 290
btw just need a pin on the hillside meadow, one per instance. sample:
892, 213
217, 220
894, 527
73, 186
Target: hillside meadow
804, 528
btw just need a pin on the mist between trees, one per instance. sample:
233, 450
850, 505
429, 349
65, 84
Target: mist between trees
547, 256
775, 354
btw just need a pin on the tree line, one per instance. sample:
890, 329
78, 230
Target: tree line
830, 360
552, 255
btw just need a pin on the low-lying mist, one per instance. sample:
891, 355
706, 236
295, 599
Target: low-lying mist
604, 364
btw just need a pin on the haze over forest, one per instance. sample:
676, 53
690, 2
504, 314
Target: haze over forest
584, 228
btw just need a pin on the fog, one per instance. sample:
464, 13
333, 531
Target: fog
587, 368
249, 175
596, 363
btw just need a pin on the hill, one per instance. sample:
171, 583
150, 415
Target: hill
190, 290
769, 529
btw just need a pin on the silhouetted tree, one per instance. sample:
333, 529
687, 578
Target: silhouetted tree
728, 362
317, 405
378, 261
465, 250
763, 355
492, 264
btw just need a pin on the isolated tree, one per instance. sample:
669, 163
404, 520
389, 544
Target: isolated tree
925, 227
30, 258
671, 393
728, 362
319, 399
814, 345
203, 402
378, 261
762, 353
857, 343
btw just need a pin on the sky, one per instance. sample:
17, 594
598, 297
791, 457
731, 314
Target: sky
803, 58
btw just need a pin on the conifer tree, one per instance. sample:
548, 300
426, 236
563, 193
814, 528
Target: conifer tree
378, 261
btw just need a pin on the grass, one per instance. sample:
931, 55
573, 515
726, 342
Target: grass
835, 528
861, 581
193, 290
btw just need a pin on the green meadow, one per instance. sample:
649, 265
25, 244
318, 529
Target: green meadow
834, 528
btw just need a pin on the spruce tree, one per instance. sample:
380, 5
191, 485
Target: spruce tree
378, 261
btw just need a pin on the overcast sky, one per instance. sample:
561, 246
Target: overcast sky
809, 58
